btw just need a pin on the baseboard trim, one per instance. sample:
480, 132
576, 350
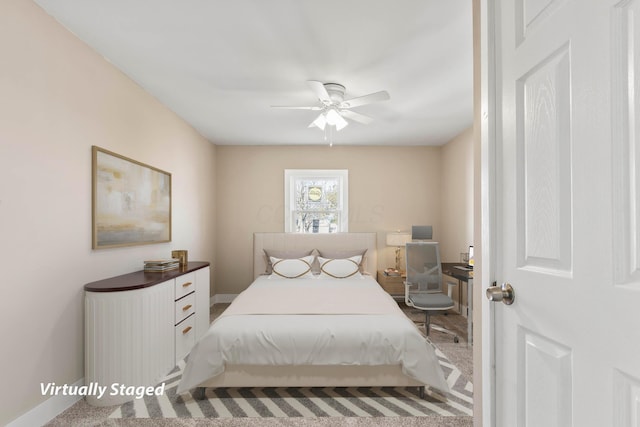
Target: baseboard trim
47, 410
223, 298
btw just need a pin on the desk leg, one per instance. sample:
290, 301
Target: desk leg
460, 297
470, 311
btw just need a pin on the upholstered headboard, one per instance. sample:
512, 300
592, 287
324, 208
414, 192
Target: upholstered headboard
327, 242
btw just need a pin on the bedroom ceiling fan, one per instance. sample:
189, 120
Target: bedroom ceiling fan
334, 109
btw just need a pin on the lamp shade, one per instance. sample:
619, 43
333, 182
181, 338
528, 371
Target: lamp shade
333, 118
398, 238
320, 122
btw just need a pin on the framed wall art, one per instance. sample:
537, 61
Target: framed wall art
131, 202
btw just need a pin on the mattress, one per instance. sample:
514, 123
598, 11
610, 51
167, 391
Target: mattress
313, 321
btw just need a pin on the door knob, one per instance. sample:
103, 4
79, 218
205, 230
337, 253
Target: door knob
502, 293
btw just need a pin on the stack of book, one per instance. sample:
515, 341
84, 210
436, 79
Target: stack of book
161, 265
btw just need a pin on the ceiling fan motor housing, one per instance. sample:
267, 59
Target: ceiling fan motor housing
335, 91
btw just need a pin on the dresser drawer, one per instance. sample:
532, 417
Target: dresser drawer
185, 307
185, 284
185, 337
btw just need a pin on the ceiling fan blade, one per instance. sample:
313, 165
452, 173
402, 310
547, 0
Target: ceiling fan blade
286, 107
383, 95
356, 117
320, 91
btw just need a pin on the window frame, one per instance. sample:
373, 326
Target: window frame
292, 175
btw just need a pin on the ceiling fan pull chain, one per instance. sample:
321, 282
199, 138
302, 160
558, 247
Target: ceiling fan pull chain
331, 127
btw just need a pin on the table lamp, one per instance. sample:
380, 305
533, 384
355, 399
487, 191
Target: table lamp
398, 239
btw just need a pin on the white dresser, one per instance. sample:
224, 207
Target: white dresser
139, 325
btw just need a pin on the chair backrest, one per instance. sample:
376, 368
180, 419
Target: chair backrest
421, 232
424, 270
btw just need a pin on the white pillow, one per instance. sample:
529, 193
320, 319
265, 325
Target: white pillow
292, 268
340, 268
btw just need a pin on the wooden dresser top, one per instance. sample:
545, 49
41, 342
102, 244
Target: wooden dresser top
141, 279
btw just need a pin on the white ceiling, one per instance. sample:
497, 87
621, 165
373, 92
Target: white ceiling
220, 65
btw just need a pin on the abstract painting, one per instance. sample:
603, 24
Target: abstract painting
131, 201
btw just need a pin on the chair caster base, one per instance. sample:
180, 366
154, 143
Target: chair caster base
199, 393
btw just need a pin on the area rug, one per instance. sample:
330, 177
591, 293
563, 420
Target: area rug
308, 402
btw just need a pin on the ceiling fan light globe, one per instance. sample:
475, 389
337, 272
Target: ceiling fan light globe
334, 118
341, 125
320, 122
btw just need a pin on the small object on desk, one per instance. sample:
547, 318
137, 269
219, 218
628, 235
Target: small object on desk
182, 256
459, 267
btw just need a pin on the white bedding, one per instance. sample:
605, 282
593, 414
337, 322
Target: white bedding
321, 321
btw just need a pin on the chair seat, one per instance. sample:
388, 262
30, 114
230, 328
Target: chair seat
434, 301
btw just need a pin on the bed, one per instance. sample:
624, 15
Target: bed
318, 320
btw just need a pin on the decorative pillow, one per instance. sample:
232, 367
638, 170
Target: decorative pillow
292, 268
292, 254
340, 268
345, 253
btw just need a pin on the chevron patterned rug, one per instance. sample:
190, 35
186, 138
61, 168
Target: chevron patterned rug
312, 402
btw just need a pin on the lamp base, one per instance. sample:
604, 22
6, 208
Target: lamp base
398, 258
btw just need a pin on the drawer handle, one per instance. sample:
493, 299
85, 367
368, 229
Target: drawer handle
186, 307
186, 330
186, 285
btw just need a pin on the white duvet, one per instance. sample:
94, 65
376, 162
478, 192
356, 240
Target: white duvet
313, 321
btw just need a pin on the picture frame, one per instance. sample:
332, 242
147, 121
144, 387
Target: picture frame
131, 201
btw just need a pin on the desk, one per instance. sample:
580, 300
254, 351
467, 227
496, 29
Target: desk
449, 269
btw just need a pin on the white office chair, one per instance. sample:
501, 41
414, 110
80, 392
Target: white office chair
423, 287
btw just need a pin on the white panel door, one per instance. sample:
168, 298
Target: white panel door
567, 212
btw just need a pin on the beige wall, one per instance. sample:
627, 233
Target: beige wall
390, 188
457, 196
57, 99
457, 201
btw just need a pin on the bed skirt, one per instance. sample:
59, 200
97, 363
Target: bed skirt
311, 376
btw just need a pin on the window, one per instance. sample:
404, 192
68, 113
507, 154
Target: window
316, 201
